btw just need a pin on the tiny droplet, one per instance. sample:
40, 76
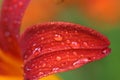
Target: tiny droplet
58, 37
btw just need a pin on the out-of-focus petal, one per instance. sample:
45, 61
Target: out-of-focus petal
11, 78
9, 65
101, 10
40, 11
51, 77
10, 20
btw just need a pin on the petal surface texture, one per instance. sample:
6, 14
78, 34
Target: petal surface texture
60, 46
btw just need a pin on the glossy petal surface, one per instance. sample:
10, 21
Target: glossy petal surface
60, 46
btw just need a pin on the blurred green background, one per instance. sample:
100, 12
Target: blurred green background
105, 69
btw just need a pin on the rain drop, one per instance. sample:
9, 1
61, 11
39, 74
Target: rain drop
42, 38
85, 44
34, 44
43, 65
55, 69
20, 4
75, 53
58, 37
81, 61
68, 41
77, 62
58, 58
36, 51
105, 51
28, 69
75, 45
40, 73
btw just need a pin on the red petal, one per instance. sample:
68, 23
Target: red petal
10, 20
59, 46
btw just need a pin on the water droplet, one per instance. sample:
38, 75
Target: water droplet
58, 58
43, 65
77, 62
36, 51
40, 73
85, 44
20, 3
55, 69
58, 37
36, 66
34, 44
75, 45
25, 56
68, 41
81, 61
33, 65
75, 53
85, 59
106, 51
62, 43
92, 45
28, 69
42, 38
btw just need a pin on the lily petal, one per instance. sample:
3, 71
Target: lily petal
7, 63
60, 46
10, 20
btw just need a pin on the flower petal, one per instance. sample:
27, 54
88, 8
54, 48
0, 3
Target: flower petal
101, 10
10, 20
38, 11
60, 46
10, 66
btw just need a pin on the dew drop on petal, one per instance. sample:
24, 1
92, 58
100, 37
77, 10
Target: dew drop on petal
55, 69
42, 38
28, 69
68, 41
20, 4
40, 73
85, 44
44, 64
58, 58
58, 37
75, 53
81, 61
75, 45
34, 44
106, 51
36, 51
77, 62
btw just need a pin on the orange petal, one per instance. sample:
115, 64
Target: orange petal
39, 11
102, 10
51, 77
10, 65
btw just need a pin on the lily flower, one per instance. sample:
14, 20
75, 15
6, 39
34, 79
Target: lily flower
46, 48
